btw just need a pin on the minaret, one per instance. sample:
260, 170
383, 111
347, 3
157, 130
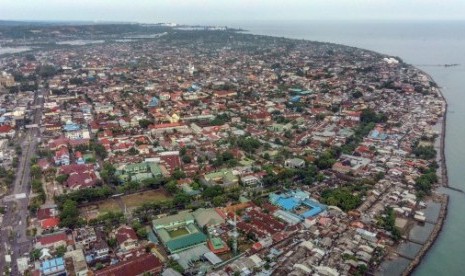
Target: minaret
191, 69
235, 235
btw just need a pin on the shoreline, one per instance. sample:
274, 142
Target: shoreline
444, 197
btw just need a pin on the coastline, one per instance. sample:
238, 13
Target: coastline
444, 197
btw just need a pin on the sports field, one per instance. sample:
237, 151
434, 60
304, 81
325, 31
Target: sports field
178, 232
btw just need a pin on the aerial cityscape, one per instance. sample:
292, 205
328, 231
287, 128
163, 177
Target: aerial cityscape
206, 149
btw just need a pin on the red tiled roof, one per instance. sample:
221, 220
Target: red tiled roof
45, 213
172, 161
5, 129
134, 266
125, 233
50, 223
50, 239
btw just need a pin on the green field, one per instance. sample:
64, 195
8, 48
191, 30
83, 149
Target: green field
178, 232
136, 200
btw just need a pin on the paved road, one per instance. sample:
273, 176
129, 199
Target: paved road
13, 235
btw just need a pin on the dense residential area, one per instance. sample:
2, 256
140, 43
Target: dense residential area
214, 152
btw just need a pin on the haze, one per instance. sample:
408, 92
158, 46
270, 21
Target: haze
216, 11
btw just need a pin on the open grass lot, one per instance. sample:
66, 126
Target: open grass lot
109, 205
136, 200
94, 210
178, 232
116, 204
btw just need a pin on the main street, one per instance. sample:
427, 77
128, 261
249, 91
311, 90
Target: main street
14, 239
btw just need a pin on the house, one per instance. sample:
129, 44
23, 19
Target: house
46, 213
100, 249
49, 223
126, 238
294, 163
138, 265
6, 131
43, 164
83, 237
77, 258
153, 102
79, 159
62, 157
78, 134
225, 178
51, 241
79, 176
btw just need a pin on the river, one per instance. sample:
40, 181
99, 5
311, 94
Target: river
425, 45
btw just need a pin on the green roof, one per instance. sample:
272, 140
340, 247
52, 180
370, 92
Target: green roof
217, 243
224, 175
186, 241
155, 169
141, 176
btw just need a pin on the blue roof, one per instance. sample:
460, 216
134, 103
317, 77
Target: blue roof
53, 266
71, 127
377, 135
312, 212
153, 102
294, 199
151, 237
295, 99
288, 203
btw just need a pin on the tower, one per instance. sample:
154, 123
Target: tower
235, 235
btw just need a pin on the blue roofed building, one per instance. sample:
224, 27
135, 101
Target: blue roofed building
295, 99
70, 126
297, 202
153, 102
376, 134
53, 267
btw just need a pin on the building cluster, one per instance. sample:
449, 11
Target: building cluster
229, 111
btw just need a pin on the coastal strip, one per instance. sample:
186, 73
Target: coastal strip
432, 238
444, 198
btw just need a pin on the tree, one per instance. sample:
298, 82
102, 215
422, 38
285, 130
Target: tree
100, 150
424, 152
46, 71
178, 174
181, 199
133, 151
112, 242
357, 94
35, 254
144, 123
62, 178
60, 251
186, 159
219, 200
342, 198
172, 187
142, 233
69, 215
36, 171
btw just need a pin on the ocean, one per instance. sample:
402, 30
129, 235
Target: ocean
425, 44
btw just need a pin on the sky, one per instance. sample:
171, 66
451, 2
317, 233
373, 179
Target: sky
218, 11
